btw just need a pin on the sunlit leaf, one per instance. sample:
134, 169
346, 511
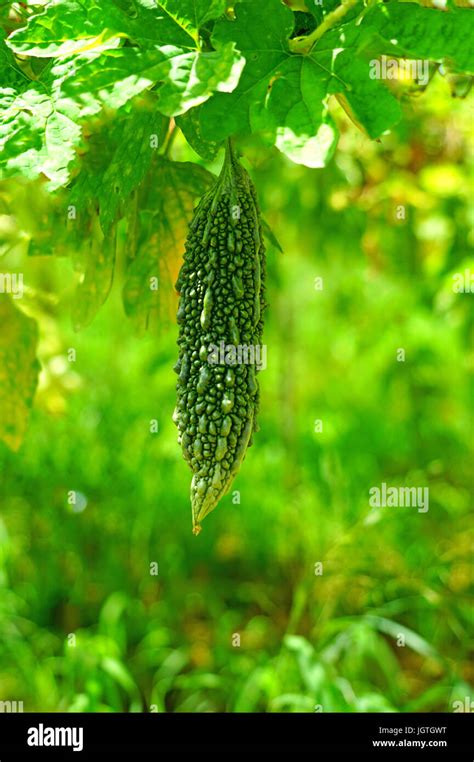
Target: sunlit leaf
408, 29
192, 14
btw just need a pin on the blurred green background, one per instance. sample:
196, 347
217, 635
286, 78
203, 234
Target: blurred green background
386, 626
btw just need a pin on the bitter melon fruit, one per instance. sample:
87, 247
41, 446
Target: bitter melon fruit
221, 287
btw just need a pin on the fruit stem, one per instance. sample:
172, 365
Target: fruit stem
229, 152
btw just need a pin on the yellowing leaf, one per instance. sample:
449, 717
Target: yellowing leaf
97, 278
19, 370
167, 209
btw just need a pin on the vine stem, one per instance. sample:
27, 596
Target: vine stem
304, 45
173, 131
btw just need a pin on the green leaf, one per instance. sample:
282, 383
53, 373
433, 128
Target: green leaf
70, 26
260, 31
98, 272
12, 75
120, 674
190, 125
167, 207
270, 235
19, 371
295, 117
369, 103
61, 136
40, 120
279, 95
284, 96
130, 164
35, 137
119, 158
408, 29
191, 78
192, 14
84, 84
87, 82
412, 639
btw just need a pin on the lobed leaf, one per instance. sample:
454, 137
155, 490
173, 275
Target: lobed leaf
167, 207
94, 288
260, 32
118, 159
190, 125
40, 120
191, 15
284, 96
69, 26
408, 29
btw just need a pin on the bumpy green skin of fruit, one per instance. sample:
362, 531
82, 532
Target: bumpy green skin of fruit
221, 286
